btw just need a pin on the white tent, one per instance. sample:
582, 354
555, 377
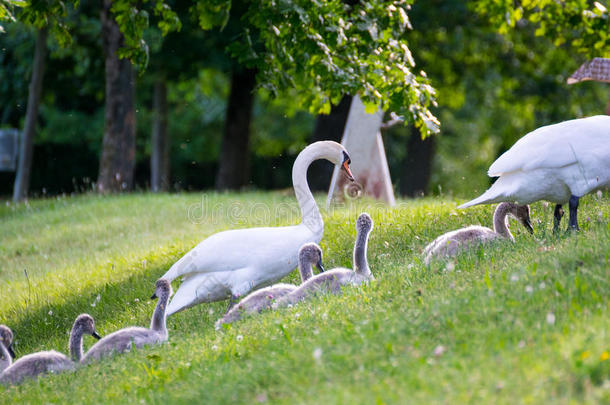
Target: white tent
362, 139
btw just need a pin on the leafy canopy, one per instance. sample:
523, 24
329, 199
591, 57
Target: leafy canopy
327, 49
580, 24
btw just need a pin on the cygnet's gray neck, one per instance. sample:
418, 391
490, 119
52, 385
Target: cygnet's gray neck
158, 322
76, 343
501, 220
361, 264
305, 268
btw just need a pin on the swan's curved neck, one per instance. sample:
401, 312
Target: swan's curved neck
158, 320
361, 264
6, 359
501, 221
309, 209
305, 270
76, 344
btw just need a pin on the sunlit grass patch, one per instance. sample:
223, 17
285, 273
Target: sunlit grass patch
506, 323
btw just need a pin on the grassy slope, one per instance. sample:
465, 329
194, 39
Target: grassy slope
489, 311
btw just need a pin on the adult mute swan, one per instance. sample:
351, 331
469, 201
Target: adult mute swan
262, 299
229, 264
6, 347
332, 281
35, 364
451, 243
122, 340
558, 163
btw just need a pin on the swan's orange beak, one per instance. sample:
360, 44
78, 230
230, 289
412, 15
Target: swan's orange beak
348, 171
345, 166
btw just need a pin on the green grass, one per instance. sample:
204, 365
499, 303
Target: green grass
489, 312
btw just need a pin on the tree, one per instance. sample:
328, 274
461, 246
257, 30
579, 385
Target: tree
159, 159
329, 49
42, 17
233, 170
117, 162
123, 28
582, 25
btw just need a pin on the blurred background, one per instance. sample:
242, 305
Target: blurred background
491, 90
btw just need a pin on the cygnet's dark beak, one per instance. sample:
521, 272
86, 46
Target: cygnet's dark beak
320, 266
95, 335
10, 351
152, 297
345, 166
528, 225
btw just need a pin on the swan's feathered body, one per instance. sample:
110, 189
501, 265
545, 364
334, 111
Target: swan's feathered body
256, 302
554, 163
124, 339
35, 364
334, 280
259, 300
230, 264
40, 363
451, 243
329, 282
237, 270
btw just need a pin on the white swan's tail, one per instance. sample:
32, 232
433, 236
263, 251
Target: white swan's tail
490, 196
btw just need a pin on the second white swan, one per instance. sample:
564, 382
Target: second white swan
230, 264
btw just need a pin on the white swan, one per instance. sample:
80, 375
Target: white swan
451, 243
232, 263
558, 163
124, 339
35, 364
332, 281
6, 347
262, 299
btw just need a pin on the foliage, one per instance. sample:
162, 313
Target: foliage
522, 322
133, 20
327, 49
491, 90
581, 24
7, 11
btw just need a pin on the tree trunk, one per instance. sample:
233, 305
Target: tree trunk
417, 165
159, 160
328, 127
26, 147
233, 171
117, 163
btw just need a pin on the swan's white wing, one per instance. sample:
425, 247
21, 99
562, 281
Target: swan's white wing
241, 248
554, 146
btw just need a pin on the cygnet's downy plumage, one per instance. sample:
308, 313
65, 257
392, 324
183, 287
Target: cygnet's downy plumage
6, 347
451, 243
35, 364
262, 299
122, 340
333, 280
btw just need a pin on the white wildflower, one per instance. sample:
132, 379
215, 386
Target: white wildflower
529, 289
317, 353
239, 338
550, 318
